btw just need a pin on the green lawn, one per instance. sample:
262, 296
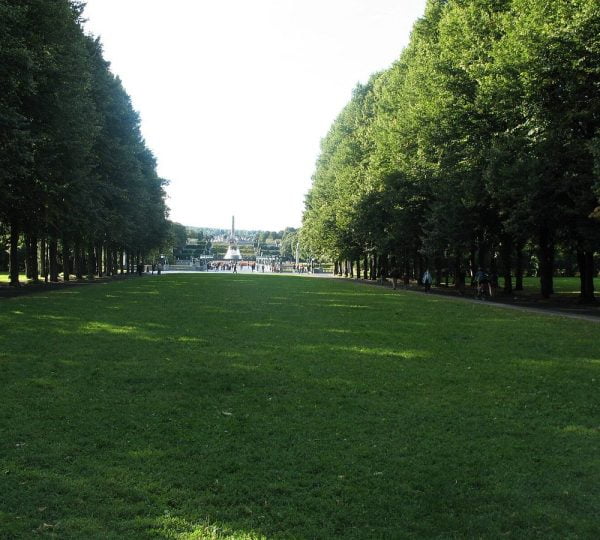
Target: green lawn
562, 285
251, 406
5, 278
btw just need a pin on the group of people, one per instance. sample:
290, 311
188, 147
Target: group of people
395, 275
223, 267
242, 266
484, 284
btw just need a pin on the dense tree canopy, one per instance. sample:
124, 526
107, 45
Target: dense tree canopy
479, 143
80, 187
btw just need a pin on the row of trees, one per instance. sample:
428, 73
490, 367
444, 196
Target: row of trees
79, 185
481, 141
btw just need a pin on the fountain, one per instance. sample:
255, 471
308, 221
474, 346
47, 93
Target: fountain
233, 251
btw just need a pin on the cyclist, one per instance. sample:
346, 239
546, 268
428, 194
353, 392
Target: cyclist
482, 281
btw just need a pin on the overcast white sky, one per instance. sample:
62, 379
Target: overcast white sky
235, 95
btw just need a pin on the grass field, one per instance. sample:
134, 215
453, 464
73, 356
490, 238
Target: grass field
562, 285
5, 278
243, 406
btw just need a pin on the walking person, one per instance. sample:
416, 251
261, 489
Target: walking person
395, 274
426, 280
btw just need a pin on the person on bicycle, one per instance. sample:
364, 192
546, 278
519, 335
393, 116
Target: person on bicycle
482, 281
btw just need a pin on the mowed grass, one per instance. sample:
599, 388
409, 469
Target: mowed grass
5, 278
243, 406
563, 286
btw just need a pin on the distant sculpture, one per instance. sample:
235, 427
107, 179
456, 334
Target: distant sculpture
233, 251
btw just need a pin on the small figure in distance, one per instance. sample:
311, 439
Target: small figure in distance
395, 274
482, 281
427, 279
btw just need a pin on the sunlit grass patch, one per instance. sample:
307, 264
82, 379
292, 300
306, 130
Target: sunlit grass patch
207, 406
5, 277
562, 285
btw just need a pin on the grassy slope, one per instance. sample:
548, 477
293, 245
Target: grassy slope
204, 406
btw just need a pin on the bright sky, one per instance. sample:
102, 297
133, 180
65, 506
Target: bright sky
236, 95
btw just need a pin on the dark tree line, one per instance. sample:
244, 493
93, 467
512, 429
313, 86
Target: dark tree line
79, 186
479, 145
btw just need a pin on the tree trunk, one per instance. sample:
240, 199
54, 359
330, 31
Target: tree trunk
473, 261
91, 260
28, 269
546, 256
446, 272
66, 259
115, 261
106, 259
53, 256
519, 268
506, 263
99, 260
14, 255
44, 257
31, 257
358, 268
78, 260
112, 255
585, 261
481, 253
438, 271
459, 274
366, 267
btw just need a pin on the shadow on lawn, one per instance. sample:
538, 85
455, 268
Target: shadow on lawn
177, 407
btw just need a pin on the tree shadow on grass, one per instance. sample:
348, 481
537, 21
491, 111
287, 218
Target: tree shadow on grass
200, 410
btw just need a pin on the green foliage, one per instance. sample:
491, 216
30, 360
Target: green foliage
73, 163
481, 137
292, 245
